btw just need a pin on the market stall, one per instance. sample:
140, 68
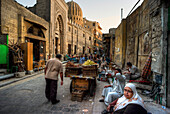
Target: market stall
83, 79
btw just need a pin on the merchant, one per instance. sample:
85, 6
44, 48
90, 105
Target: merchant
82, 59
115, 90
53, 68
133, 72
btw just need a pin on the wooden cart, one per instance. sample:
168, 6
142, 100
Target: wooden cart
82, 83
86, 84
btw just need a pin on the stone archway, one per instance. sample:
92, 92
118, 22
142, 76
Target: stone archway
59, 35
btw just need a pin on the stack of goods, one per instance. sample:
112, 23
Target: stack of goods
72, 69
89, 62
70, 64
90, 69
77, 95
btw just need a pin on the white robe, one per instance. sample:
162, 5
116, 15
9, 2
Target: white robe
114, 92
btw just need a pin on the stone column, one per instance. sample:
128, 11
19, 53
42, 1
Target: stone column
21, 30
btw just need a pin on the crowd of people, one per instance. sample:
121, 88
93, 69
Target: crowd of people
119, 97
101, 60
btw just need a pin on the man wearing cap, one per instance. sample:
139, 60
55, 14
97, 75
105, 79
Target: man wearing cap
53, 68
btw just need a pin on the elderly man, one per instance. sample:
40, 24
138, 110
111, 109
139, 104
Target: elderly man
53, 68
115, 90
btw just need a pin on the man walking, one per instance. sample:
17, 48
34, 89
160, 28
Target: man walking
53, 68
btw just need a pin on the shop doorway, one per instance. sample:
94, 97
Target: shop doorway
56, 45
83, 49
75, 49
69, 48
38, 49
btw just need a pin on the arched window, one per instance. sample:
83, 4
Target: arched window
40, 33
35, 30
30, 30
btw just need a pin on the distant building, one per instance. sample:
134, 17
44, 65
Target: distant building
95, 28
108, 43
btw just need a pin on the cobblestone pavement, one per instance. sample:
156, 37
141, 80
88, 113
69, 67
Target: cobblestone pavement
27, 96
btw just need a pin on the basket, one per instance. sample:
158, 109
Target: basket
90, 67
90, 71
73, 71
77, 95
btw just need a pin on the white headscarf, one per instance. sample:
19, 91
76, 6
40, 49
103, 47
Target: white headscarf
123, 101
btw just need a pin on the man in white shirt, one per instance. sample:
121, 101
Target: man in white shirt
133, 72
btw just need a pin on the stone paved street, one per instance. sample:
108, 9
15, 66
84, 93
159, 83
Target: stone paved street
27, 96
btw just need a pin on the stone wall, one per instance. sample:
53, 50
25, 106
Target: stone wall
132, 37
147, 32
12, 19
144, 35
168, 72
120, 40
42, 9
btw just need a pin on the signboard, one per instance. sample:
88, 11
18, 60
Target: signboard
3, 49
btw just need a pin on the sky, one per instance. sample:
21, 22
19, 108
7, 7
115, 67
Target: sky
106, 12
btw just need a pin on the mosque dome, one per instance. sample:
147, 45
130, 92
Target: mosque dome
75, 13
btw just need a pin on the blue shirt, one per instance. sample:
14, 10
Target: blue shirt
81, 61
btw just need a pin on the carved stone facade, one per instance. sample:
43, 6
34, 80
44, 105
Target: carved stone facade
79, 38
75, 13
68, 35
55, 12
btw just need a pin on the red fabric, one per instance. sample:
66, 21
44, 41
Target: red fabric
146, 72
147, 68
114, 102
140, 81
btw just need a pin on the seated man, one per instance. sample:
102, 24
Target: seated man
110, 75
133, 72
114, 91
103, 64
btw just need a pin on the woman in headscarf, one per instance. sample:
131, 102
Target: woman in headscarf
129, 103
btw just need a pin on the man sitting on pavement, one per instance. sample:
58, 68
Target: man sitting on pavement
115, 90
133, 72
